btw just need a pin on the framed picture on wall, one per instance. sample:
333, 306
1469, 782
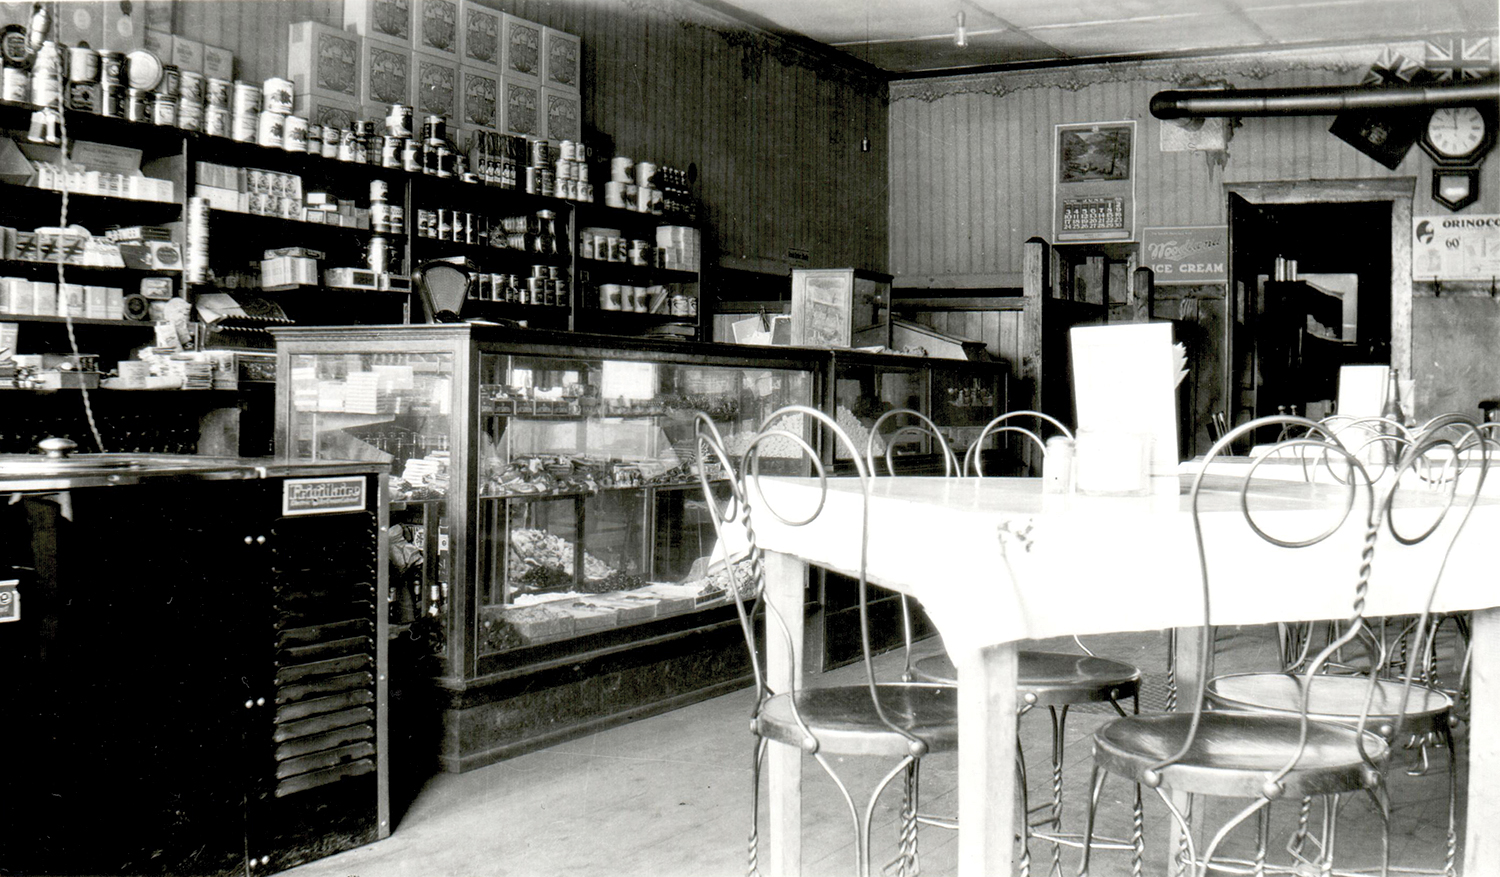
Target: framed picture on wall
1093, 182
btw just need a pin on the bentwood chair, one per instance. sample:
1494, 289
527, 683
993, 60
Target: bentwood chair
899, 721
1298, 751
1055, 680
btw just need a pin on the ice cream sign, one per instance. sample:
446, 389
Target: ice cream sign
1191, 254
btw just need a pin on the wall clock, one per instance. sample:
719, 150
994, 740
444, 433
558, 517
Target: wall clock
1458, 135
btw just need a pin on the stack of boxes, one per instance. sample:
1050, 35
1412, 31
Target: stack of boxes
680, 247
269, 193
19, 295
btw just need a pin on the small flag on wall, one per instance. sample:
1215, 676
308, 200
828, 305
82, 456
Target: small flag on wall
1461, 59
1392, 68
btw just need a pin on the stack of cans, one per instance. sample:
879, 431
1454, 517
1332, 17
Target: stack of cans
572, 173
197, 241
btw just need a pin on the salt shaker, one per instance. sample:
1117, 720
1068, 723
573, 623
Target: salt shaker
1057, 465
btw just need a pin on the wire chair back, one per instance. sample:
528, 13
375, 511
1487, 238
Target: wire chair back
736, 511
1377, 513
1003, 424
921, 427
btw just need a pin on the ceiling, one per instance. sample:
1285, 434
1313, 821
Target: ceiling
916, 37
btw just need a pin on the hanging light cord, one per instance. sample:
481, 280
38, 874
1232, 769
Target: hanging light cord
62, 222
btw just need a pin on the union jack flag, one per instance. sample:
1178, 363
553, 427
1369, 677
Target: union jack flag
1469, 59
1392, 67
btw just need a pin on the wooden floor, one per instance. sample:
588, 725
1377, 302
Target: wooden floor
669, 796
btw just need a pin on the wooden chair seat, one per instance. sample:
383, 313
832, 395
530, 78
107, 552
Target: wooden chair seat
1334, 699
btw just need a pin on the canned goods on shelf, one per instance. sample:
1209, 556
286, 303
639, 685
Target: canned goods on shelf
164, 110
277, 95
294, 134
247, 98
138, 105
111, 68
270, 129
83, 97
190, 116
83, 64
390, 152
193, 87
217, 92
216, 121
399, 121
171, 81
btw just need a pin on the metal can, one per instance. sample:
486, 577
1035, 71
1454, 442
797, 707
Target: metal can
171, 81
379, 254
540, 153
380, 217
190, 116
111, 68
364, 128
332, 137
216, 121
112, 101
83, 64
138, 105
399, 121
348, 145
444, 224
411, 160
484, 287
561, 285
380, 190
193, 87
470, 229
83, 97
217, 92
164, 110
398, 219
294, 134
244, 126
536, 290
277, 94
270, 130
444, 161
434, 129
679, 305
390, 152
314, 139
423, 217
246, 98
15, 84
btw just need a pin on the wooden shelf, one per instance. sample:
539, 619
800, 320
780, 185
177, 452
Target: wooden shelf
77, 321
34, 265
231, 217
622, 269
440, 248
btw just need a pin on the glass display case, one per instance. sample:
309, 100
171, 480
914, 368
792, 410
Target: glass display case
959, 396
550, 549
544, 486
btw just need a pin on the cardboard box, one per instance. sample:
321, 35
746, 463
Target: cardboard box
79, 23
479, 107
323, 61
521, 113
159, 43
124, 26
159, 14
187, 54
562, 61
388, 20
435, 27
559, 114
479, 38
325, 111
436, 85
218, 63
288, 272
521, 50
385, 73
44, 298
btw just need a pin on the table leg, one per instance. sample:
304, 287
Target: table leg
785, 580
1189, 670
1482, 848
986, 760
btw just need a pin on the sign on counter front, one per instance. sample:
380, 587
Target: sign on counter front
322, 496
1188, 254
1462, 247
